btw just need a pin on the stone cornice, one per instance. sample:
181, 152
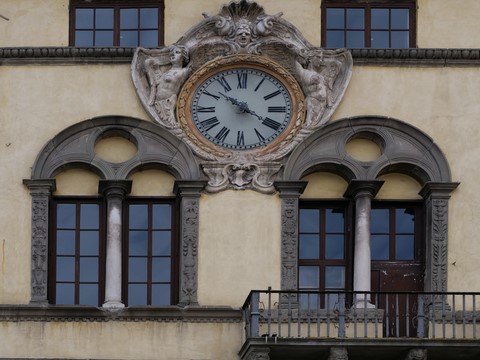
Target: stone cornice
118, 55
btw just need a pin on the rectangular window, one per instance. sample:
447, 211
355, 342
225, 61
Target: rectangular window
368, 24
106, 23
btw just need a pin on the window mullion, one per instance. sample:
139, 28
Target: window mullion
77, 253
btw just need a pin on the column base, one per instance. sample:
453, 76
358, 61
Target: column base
363, 304
113, 305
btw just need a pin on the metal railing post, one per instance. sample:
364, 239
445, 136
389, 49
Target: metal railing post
255, 314
341, 315
421, 317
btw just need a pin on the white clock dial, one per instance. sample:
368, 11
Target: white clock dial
241, 108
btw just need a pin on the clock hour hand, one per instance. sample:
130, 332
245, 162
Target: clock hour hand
242, 106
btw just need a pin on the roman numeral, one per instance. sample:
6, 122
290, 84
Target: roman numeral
275, 93
260, 83
224, 83
240, 138
260, 136
272, 124
242, 81
277, 109
216, 97
209, 123
222, 134
207, 109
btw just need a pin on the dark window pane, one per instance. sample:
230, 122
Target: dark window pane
400, 19
138, 218
137, 294
335, 18
308, 277
66, 216
148, 18
84, 19
137, 270
379, 221
83, 38
380, 19
129, 38
380, 40
65, 294
400, 39
65, 242
405, 220
149, 38
138, 243
334, 277
161, 269
309, 247
334, 221
65, 269
160, 294
104, 19
405, 247
380, 247
309, 301
89, 216
88, 243
89, 294
334, 247
309, 220
89, 269
331, 301
104, 38
161, 243
356, 19
335, 39
355, 39
162, 216
128, 19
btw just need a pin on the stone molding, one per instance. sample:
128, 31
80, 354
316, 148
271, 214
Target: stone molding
118, 55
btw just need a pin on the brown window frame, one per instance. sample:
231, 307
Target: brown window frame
368, 5
117, 5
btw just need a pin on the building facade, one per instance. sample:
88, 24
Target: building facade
239, 180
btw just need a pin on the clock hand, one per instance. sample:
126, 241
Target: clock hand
242, 105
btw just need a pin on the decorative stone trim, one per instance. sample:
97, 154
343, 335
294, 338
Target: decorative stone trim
119, 55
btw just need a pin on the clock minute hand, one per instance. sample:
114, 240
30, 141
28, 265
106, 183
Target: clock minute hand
242, 105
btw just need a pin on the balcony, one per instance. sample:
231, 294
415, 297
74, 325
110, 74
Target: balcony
359, 325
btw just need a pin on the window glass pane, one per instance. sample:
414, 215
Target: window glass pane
309, 301
308, 277
380, 247
160, 294
88, 243
162, 216
380, 19
83, 38
400, 39
309, 246
89, 216
137, 294
334, 220
161, 243
379, 221
65, 269
400, 19
65, 294
335, 39
89, 269
138, 243
138, 217
137, 270
335, 18
309, 220
331, 301
334, 277
129, 38
405, 221
161, 269
104, 38
128, 18
66, 216
355, 39
148, 18
149, 38
89, 294
380, 40
104, 19
356, 19
334, 247
65, 242
405, 247
84, 19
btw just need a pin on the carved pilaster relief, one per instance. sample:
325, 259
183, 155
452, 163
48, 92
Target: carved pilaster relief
439, 209
289, 243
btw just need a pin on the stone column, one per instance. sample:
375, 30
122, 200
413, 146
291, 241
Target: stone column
41, 191
362, 192
114, 192
189, 194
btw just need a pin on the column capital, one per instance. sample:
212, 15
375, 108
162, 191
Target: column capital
290, 188
363, 188
40, 186
189, 188
114, 187
439, 190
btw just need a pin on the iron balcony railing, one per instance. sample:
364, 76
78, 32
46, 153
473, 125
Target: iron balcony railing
349, 314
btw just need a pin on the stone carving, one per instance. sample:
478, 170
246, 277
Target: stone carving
439, 244
289, 243
417, 354
338, 353
258, 355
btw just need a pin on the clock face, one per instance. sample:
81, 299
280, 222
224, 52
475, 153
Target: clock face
241, 108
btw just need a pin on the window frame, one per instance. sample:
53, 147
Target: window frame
368, 5
117, 5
